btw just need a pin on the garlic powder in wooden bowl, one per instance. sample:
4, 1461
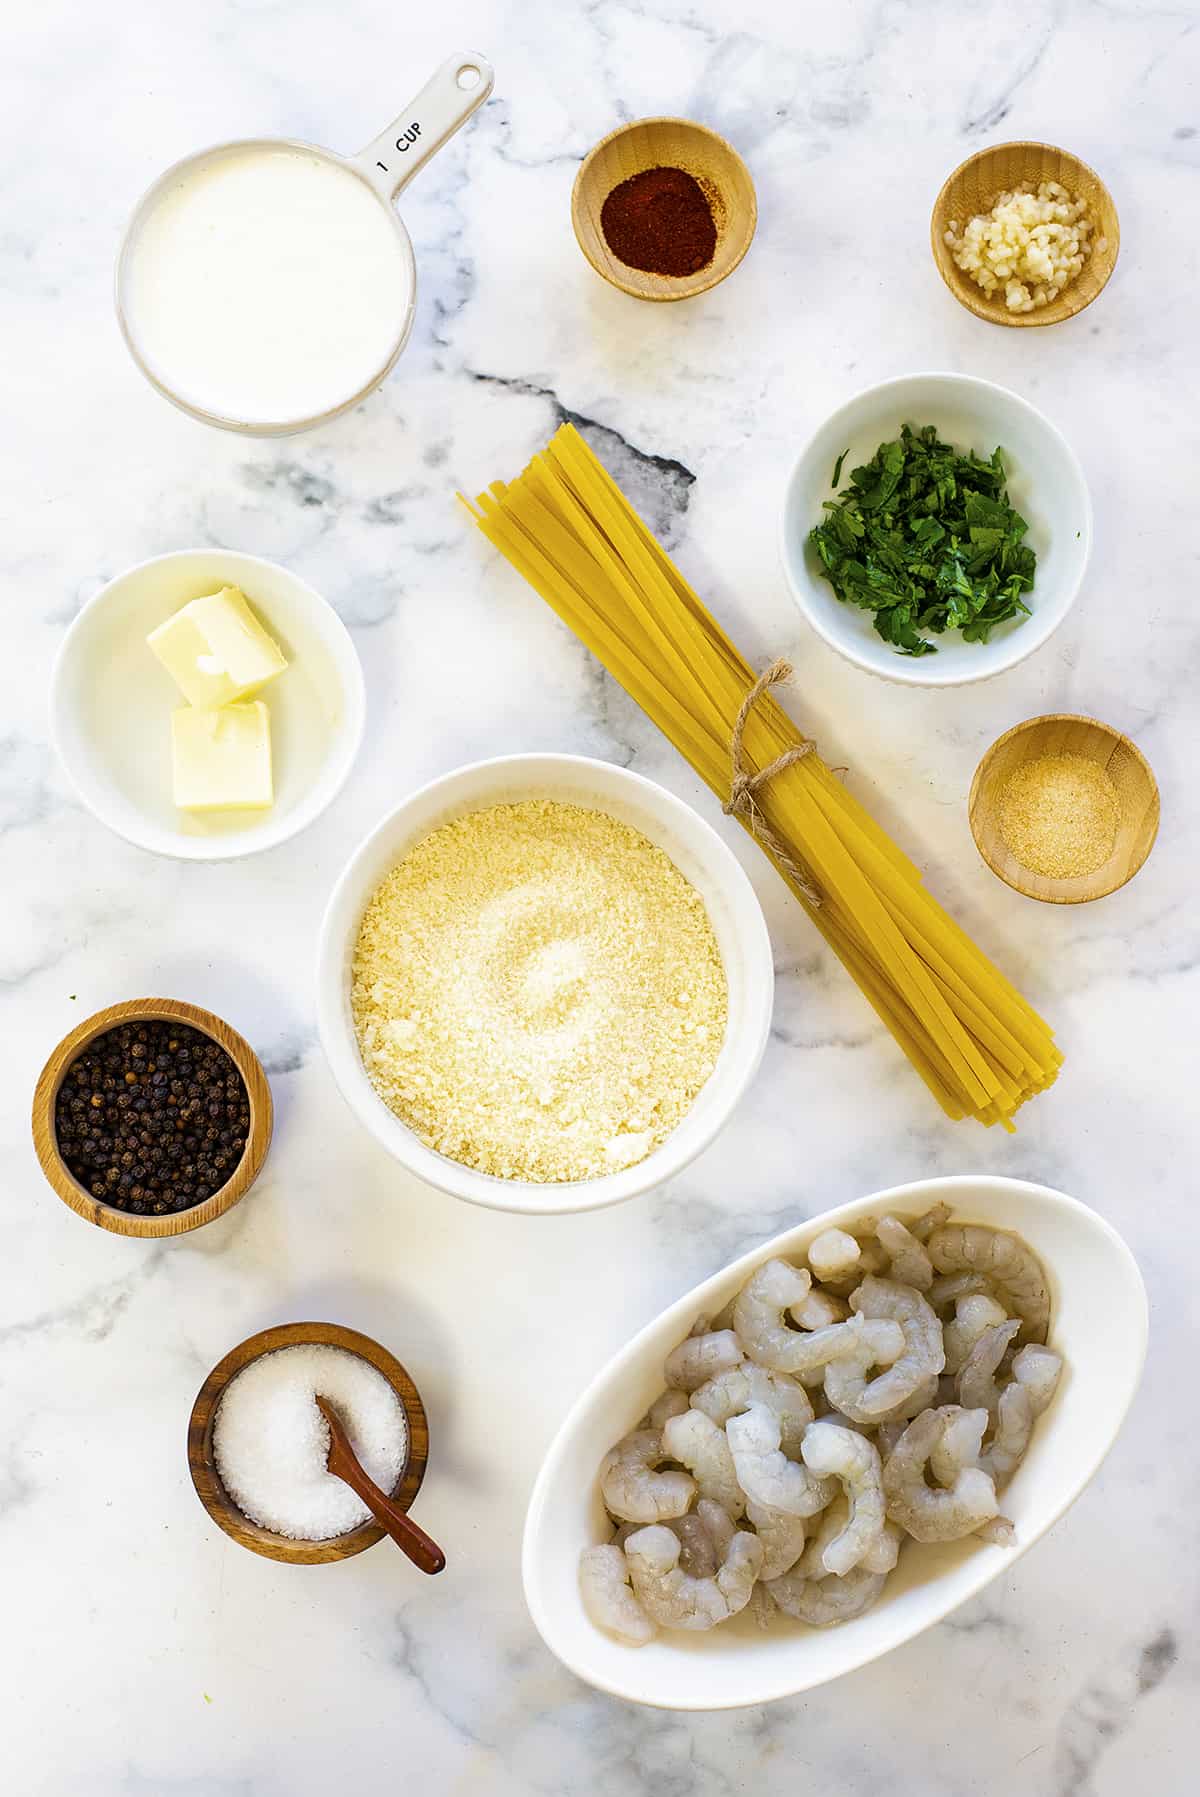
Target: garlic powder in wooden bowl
538, 992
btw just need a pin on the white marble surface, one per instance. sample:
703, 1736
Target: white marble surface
144, 1654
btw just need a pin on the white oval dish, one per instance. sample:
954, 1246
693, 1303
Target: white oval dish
1046, 485
111, 703
1098, 1323
700, 855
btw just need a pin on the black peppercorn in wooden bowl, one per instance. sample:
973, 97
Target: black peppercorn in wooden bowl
152, 1117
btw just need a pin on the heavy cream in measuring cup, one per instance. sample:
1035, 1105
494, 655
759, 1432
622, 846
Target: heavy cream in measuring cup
266, 285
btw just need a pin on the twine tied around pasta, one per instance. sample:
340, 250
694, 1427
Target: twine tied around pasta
743, 785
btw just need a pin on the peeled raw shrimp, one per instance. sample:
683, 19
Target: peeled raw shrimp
831, 1451
820, 1309
1014, 1426
611, 1605
832, 1254
670, 1403
830, 1524
806, 1352
750, 1383
886, 1551
764, 1472
759, 1312
697, 1554
718, 1525
959, 1443
823, 1602
973, 1313
1013, 1269
909, 1375
910, 1264
927, 1514
701, 1357
674, 1600
948, 1288
699, 1444
782, 1535
977, 1387
1038, 1370
631, 1488
703, 1537
932, 1219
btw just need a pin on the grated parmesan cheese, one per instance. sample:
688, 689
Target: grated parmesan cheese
538, 993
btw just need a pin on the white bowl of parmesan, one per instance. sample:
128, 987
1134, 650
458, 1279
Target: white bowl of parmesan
544, 983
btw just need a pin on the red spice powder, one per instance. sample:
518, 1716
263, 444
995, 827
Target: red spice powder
661, 222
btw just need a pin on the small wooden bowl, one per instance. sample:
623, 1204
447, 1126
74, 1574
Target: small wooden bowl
1061, 734
107, 1216
975, 186
207, 1479
666, 143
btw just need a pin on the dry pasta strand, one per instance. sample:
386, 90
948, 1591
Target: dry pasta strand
566, 526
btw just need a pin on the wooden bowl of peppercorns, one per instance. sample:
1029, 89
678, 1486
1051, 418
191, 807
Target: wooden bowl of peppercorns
152, 1117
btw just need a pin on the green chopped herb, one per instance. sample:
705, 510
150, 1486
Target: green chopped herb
926, 539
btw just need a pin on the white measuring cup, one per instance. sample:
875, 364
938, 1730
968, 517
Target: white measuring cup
384, 168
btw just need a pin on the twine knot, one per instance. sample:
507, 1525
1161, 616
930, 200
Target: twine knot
742, 802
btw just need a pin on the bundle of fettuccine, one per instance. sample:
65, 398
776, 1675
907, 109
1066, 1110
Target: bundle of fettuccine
567, 527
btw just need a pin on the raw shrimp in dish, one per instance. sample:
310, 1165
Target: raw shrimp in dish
631, 1488
604, 1588
674, 1600
824, 1417
928, 1514
764, 1472
700, 1444
843, 1454
735, 1391
1012, 1269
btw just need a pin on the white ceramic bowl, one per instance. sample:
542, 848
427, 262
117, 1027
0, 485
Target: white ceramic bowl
700, 855
1046, 485
1098, 1322
111, 702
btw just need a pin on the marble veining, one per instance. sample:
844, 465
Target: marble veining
144, 1655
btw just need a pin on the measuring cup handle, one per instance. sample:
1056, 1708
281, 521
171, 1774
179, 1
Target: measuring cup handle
446, 101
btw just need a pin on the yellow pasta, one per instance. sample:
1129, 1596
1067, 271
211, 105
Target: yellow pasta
567, 527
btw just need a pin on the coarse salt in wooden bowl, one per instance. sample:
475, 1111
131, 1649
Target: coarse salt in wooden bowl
1061, 733
202, 1463
666, 143
108, 1216
974, 188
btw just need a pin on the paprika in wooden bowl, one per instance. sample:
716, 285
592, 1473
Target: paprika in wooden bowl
664, 208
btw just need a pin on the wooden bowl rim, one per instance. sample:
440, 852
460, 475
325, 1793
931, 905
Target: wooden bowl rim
676, 287
151, 1010
972, 297
207, 1480
1119, 740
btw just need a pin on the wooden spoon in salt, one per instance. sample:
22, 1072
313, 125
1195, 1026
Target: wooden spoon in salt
421, 1549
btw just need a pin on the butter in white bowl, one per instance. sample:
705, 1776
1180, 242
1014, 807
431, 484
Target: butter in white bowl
216, 650
112, 704
221, 758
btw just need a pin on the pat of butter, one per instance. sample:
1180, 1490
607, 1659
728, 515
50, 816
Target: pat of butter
222, 759
216, 650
